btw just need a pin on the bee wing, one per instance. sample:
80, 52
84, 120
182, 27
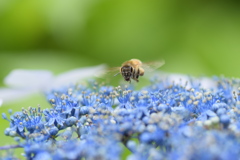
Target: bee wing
151, 66
112, 71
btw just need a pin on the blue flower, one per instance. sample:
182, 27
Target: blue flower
54, 117
193, 118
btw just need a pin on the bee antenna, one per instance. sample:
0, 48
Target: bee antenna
116, 74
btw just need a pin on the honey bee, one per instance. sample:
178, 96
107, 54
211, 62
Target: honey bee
134, 68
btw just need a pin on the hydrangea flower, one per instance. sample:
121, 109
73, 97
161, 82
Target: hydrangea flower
187, 118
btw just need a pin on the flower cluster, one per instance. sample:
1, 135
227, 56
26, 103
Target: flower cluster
165, 120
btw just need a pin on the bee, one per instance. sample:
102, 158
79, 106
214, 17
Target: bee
134, 68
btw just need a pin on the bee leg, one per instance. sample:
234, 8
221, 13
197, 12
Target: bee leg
136, 79
137, 75
116, 74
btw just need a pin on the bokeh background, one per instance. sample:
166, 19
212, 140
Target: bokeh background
193, 37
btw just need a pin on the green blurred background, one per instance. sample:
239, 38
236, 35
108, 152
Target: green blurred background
193, 37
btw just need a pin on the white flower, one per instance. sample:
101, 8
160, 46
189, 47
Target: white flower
22, 82
186, 80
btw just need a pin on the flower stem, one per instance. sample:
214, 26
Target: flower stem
10, 147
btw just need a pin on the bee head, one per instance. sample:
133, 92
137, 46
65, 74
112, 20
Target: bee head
126, 72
